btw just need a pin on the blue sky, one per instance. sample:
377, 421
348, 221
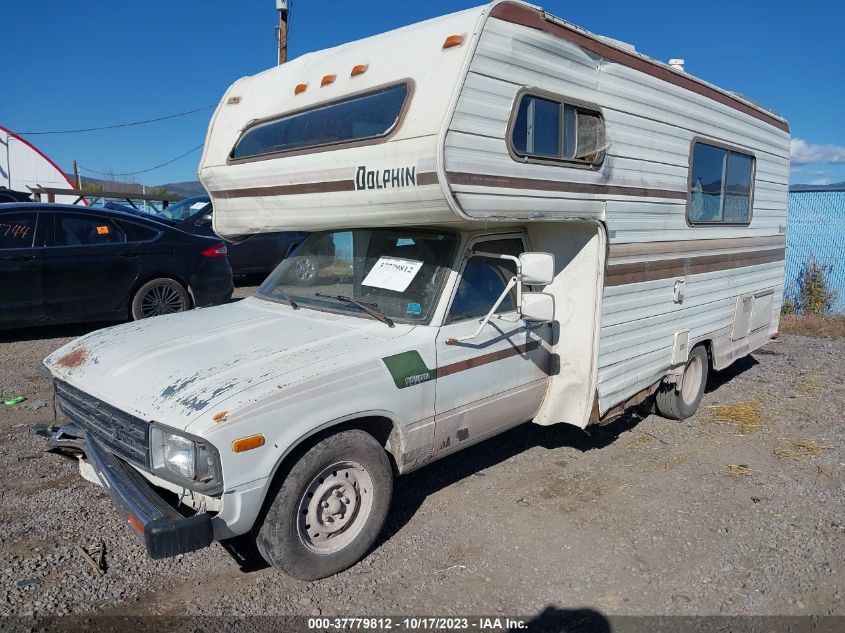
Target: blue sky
98, 62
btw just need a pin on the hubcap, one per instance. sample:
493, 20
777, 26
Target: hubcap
305, 269
692, 379
160, 300
335, 507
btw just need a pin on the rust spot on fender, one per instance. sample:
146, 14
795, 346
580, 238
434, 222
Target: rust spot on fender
73, 359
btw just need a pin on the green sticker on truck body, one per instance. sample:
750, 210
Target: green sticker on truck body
408, 369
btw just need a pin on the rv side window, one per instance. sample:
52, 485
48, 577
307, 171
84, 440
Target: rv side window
367, 116
544, 128
720, 185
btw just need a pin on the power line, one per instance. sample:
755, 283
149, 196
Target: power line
117, 125
143, 171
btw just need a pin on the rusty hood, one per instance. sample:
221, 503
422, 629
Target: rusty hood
175, 368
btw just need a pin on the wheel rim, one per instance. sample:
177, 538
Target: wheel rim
692, 379
163, 299
304, 269
335, 507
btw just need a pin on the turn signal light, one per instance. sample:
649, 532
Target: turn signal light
358, 69
247, 443
218, 250
300, 88
453, 40
135, 522
327, 79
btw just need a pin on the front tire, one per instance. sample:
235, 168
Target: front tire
159, 296
680, 404
330, 507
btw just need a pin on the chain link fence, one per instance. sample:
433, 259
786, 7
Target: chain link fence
816, 232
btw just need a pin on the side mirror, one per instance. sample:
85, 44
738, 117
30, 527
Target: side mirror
204, 220
538, 306
538, 269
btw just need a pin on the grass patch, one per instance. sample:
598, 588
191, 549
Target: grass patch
799, 448
810, 385
735, 470
640, 440
744, 416
813, 325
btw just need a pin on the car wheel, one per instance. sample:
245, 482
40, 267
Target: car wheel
679, 404
330, 507
304, 270
160, 296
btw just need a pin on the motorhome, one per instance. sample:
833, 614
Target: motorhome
511, 219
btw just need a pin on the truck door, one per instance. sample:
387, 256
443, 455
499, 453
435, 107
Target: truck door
498, 379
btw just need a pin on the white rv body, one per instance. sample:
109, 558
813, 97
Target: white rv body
455, 137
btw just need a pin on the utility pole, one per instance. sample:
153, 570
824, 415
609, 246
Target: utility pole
282, 8
76, 181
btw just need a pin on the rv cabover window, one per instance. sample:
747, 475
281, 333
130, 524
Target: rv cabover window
365, 116
546, 128
720, 185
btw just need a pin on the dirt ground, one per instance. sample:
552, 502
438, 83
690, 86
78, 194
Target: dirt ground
738, 510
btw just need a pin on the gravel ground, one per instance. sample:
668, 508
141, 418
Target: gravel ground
643, 516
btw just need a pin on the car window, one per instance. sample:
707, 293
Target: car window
137, 233
74, 230
17, 230
484, 279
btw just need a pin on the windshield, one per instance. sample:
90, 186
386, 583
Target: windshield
398, 272
184, 209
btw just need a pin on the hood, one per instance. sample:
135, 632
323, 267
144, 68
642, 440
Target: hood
174, 368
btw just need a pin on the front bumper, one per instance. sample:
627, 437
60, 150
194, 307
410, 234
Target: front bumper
164, 531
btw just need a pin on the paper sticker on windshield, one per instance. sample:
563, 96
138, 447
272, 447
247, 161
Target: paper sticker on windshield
392, 273
102, 230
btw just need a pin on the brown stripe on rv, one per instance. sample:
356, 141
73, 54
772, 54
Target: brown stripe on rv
287, 190
532, 18
508, 182
478, 361
424, 178
635, 249
637, 272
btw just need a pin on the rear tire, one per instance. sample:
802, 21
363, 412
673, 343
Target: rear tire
159, 296
330, 507
679, 404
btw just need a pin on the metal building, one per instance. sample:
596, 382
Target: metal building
22, 165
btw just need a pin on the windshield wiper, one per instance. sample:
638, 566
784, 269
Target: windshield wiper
284, 295
365, 307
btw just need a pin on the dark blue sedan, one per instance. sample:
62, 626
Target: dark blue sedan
62, 263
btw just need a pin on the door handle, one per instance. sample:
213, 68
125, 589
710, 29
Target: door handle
19, 258
128, 254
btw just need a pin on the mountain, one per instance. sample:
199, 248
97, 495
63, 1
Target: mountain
185, 189
181, 189
835, 185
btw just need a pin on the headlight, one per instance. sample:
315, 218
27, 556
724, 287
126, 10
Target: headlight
184, 460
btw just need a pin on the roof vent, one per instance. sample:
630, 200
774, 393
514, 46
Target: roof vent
677, 64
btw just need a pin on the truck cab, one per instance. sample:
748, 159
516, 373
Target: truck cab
288, 413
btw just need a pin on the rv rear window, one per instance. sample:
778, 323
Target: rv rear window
548, 129
365, 116
720, 185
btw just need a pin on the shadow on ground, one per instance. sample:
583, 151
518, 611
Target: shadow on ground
718, 378
555, 620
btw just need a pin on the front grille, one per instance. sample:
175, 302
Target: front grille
122, 434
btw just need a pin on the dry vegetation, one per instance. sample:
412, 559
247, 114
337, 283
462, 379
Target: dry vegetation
813, 325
